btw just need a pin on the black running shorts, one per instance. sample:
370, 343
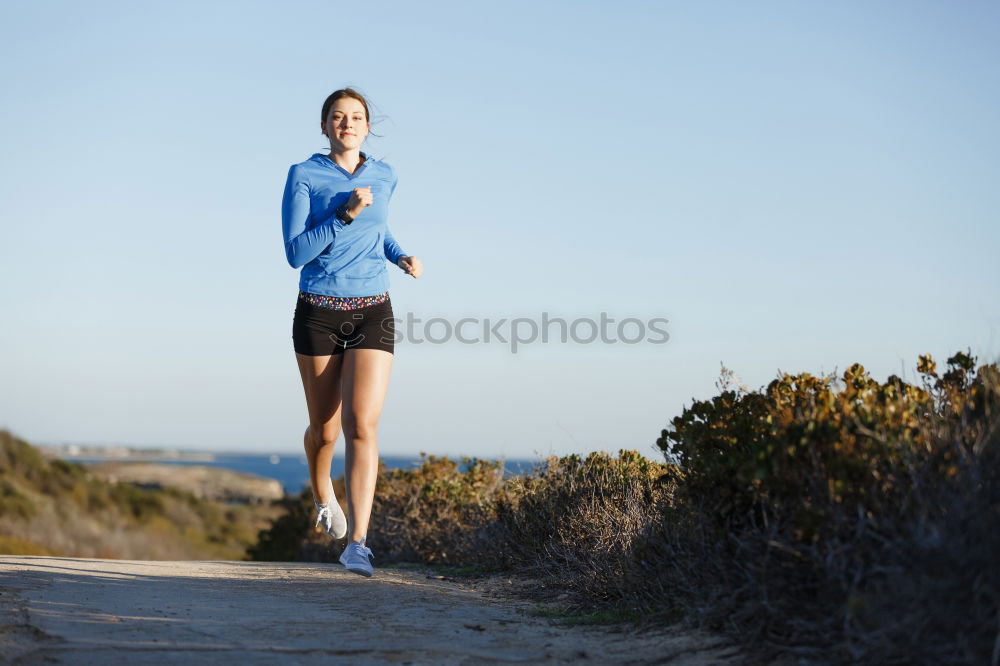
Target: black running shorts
319, 331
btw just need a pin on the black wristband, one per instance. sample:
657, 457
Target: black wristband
343, 216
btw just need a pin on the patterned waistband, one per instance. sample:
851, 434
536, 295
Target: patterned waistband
342, 302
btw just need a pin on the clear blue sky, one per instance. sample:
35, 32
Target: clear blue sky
794, 186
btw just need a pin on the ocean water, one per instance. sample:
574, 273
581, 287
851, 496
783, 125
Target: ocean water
292, 470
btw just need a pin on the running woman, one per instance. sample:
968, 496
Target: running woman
334, 222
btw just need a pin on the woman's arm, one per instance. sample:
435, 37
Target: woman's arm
302, 246
392, 249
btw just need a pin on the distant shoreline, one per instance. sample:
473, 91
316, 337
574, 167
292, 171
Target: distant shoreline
290, 469
74, 451
95, 452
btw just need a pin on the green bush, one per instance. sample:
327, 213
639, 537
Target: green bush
805, 450
825, 518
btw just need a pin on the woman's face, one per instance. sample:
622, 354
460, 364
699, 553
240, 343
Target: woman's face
345, 124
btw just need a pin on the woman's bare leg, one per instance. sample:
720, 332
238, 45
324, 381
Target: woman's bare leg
365, 382
321, 380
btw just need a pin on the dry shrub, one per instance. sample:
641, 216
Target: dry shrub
575, 523
841, 521
857, 525
435, 513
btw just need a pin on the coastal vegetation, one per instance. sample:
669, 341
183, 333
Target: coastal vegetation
836, 519
50, 506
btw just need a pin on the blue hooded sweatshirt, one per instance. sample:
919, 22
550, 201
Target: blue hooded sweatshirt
339, 259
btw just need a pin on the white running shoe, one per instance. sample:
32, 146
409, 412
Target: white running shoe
357, 558
331, 518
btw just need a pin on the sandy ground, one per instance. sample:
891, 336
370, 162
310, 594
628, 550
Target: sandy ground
57, 610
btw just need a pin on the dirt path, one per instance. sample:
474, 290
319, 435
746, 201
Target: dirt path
92, 611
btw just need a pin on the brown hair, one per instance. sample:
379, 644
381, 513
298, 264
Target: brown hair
345, 92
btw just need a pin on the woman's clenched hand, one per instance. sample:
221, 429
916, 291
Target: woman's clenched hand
360, 197
411, 265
